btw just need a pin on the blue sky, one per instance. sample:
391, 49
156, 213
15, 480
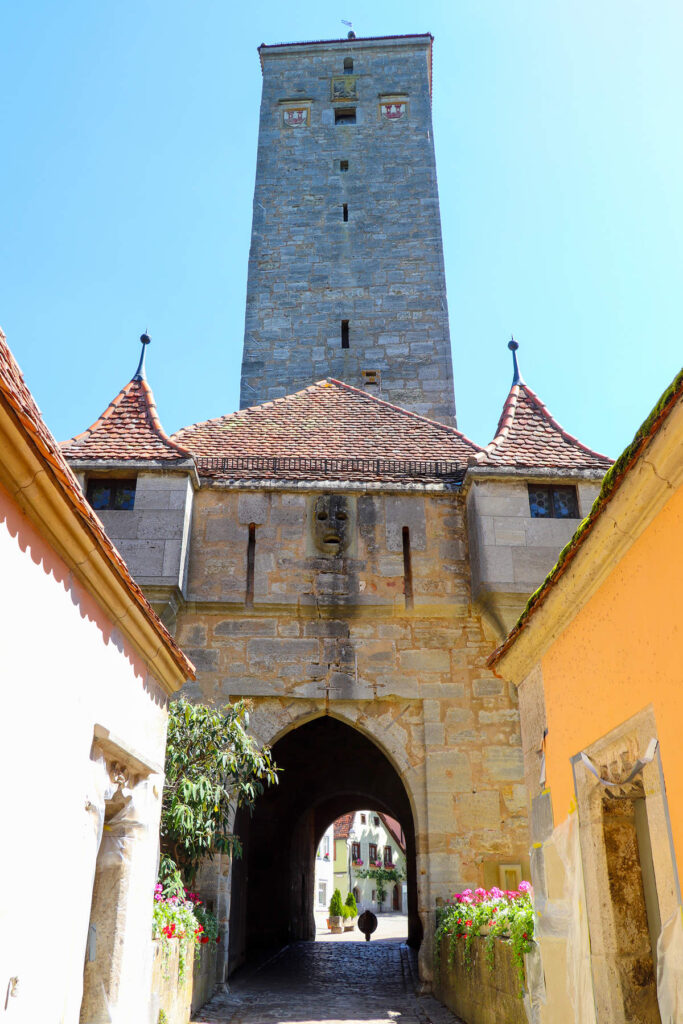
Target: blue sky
129, 144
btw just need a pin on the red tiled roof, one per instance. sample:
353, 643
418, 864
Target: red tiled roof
15, 393
528, 436
129, 428
342, 826
394, 828
328, 422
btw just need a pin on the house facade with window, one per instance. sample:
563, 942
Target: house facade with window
364, 841
324, 883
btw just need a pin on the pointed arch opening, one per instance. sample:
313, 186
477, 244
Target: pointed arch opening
329, 769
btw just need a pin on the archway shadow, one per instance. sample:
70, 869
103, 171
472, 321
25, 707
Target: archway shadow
328, 769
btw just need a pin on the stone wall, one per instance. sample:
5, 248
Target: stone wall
179, 999
382, 269
479, 994
153, 536
330, 634
510, 552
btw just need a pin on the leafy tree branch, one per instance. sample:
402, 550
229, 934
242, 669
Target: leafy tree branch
213, 766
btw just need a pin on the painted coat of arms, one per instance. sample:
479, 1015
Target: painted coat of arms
295, 117
393, 111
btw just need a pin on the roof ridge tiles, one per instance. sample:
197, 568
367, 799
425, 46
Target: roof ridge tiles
405, 412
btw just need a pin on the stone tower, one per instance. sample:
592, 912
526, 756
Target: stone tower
346, 274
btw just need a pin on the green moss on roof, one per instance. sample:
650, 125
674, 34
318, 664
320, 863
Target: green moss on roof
611, 481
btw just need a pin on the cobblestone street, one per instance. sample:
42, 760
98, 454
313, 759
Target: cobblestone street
337, 983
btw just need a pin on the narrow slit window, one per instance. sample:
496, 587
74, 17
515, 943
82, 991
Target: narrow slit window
345, 334
251, 551
345, 211
343, 165
407, 569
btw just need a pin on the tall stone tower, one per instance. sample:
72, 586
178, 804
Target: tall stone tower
346, 274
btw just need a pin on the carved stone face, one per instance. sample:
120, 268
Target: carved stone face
331, 522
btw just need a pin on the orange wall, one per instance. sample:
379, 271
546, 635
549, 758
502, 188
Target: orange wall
623, 651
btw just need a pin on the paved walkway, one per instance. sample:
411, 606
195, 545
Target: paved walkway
332, 982
389, 926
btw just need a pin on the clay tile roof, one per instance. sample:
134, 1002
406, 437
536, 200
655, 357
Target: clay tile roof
528, 436
329, 428
129, 428
342, 826
16, 395
394, 828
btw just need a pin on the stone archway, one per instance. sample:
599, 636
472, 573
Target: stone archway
328, 768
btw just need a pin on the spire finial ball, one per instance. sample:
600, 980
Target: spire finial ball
145, 339
513, 345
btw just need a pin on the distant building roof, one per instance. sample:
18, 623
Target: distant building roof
16, 395
394, 828
328, 429
342, 826
128, 429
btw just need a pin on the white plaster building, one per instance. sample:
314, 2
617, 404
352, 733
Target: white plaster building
324, 870
363, 839
87, 671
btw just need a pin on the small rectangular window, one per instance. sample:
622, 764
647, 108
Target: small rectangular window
372, 852
345, 334
343, 165
348, 66
376, 822
345, 115
355, 852
553, 502
113, 495
388, 857
345, 211
363, 819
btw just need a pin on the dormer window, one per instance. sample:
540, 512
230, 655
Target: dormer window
553, 502
111, 494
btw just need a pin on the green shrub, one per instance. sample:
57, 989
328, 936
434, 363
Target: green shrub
336, 905
351, 903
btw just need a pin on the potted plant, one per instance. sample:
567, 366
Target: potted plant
336, 913
350, 913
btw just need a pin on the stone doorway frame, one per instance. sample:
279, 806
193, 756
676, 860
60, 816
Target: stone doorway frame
615, 755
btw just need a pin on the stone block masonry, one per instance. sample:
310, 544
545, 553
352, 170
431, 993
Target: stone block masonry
346, 228
330, 634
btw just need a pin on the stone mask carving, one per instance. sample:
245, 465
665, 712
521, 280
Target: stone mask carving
331, 523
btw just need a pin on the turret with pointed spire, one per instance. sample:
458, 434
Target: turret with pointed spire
531, 464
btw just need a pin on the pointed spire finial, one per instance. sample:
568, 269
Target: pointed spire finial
140, 372
513, 346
